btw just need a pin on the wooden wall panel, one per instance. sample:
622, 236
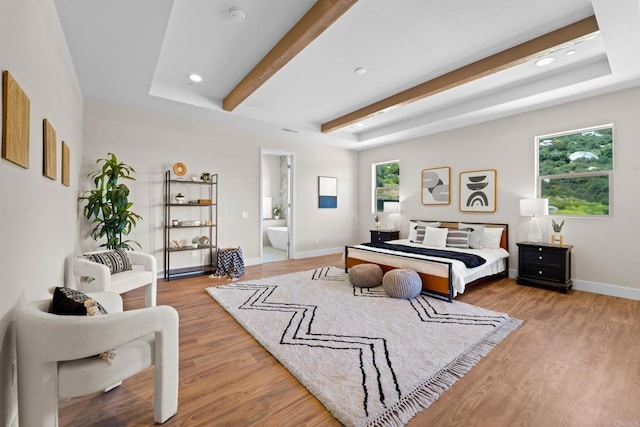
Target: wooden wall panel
66, 158
49, 146
16, 111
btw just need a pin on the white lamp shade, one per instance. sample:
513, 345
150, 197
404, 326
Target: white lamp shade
391, 207
534, 207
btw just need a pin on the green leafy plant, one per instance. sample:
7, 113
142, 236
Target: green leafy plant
108, 205
277, 210
557, 226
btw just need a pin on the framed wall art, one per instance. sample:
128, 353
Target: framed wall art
16, 110
478, 191
49, 147
327, 192
66, 158
435, 186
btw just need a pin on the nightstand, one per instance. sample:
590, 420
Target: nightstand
545, 265
378, 236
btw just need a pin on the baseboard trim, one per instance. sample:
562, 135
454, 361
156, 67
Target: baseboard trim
319, 252
598, 288
606, 289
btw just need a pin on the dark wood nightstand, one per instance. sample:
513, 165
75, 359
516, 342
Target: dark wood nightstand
378, 236
545, 265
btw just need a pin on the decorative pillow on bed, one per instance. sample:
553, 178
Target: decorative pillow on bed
416, 230
458, 238
491, 238
476, 234
117, 260
435, 237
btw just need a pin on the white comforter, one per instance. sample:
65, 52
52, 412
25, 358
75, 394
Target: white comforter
461, 274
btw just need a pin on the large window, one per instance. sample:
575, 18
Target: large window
386, 184
575, 171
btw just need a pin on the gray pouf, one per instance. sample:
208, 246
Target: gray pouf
402, 283
365, 275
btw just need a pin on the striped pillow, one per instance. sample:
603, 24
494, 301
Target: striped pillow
416, 230
458, 238
117, 260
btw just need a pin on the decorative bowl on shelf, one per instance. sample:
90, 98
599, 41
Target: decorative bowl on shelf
179, 198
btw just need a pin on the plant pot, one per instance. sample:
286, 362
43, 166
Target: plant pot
195, 245
557, 239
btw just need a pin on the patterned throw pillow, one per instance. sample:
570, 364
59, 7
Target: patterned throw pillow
476, 234
458, 238
67, 301
117, 260
416, 230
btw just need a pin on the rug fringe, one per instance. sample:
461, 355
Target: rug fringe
427, 393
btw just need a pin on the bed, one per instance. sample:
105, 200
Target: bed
443, 270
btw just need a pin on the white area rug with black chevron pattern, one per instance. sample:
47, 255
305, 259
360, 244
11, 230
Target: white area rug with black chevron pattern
370, 359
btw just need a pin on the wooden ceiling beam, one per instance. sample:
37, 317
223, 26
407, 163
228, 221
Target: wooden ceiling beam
317, 19
484, 67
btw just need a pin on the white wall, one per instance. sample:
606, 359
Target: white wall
38, 216
152, 142
605, 249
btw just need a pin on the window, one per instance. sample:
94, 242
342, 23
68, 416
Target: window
575, 171
386, 184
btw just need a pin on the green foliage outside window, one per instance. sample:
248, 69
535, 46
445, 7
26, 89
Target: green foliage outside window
387, 184
574, 171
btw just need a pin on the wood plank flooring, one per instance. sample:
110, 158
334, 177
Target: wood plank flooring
574, 362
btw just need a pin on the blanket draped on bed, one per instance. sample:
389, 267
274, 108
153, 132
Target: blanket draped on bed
469, 260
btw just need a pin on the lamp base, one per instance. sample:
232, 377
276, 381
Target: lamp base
535, 233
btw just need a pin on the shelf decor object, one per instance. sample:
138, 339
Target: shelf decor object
435, 186
16, 112
179, 169
478, 191
534, 208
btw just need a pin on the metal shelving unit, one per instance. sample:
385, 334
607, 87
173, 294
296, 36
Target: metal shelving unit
208, 211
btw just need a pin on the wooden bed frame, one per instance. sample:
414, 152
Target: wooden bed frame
436, 285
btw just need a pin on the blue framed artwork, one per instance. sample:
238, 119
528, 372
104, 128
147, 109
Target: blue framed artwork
327, 192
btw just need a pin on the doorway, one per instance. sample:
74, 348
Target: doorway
276, 205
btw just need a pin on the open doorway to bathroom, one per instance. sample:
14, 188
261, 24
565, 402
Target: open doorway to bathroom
276, 205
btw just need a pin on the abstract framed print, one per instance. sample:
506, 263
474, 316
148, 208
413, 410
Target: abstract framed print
327, 192
478, 191
435, 187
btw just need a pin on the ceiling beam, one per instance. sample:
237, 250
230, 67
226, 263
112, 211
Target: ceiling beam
317, 19
484, 67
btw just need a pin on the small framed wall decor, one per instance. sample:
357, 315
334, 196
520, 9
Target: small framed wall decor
16, 111
478, 191
66, 157
435, 186
49, 147
327, 192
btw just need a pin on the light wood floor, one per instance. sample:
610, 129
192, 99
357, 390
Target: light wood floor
574, 362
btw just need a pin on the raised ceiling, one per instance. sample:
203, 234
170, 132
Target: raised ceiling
141, 52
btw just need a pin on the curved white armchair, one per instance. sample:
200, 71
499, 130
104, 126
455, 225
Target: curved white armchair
57, 355
95, 277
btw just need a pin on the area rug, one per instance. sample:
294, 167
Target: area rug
370, 359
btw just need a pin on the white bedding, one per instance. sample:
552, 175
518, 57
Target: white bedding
496, 262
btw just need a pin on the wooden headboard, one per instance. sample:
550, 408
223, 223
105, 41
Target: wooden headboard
504, 240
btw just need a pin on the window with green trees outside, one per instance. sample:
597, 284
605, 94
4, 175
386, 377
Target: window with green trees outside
575, 171
386, 178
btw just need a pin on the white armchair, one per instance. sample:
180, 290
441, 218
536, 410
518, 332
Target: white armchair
57, 355
94, 277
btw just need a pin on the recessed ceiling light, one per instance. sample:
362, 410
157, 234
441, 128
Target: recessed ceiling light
571, 52
196, 78
545, 61
360, 70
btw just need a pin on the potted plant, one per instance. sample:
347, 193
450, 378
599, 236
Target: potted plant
205, 177
277, 211
557, 228
376, 220
194, 242
108, 205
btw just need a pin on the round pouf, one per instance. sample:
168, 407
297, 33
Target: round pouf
402, 283
365, 275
